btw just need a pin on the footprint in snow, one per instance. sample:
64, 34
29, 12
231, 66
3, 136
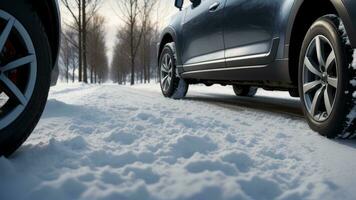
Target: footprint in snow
199, 166
187, 145
241, 160
260, 188
122, 137
148, 117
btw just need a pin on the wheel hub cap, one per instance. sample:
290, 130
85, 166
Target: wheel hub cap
324, 78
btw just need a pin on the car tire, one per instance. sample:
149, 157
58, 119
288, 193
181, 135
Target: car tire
29, 29
244, 91
325, 76
172, 86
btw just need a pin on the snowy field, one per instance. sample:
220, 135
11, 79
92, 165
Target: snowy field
120, 142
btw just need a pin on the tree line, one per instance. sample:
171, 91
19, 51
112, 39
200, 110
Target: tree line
83, 55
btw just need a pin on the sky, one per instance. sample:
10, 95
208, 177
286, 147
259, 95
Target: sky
109, 11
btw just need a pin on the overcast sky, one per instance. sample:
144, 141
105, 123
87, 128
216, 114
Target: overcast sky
109, 10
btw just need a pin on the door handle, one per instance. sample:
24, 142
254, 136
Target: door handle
214, 6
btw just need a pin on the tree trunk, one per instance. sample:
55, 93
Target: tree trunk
73, 75
67, 73
132, 70
85, 63
95, 77
91, 75
144, 56
148, 73
80, 53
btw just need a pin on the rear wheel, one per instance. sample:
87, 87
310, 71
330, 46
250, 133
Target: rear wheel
244, 91
172, 85
24, 73
324, 79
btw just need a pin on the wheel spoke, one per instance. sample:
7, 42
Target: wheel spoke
327, 102
311, 67
309, 86
18, 63
329, 60
166, 60
316, 101
12, 90
164, 79
6, 32
166, 84
332, 81
164, 68
320, 51
170, 63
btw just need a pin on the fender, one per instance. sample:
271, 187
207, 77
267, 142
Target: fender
171, 32
342, 12
167, 31
48, 11
347, 11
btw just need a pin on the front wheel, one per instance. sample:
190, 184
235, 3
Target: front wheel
25, 63
172, 85
325, 76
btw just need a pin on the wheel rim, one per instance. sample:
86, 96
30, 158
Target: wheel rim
166, 72
18, 69
320, 78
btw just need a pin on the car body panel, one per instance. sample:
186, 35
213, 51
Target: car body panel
346, 9
48, 11
203, 33
257, 35
253, 36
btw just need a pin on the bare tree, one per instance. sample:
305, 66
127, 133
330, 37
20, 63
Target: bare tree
89, 9
65, 59
81, 12
75, 10
135, 13
120, 64
97, 59
68, 56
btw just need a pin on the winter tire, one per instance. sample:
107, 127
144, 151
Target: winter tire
325, 75
172, 85
244, 91
25, 71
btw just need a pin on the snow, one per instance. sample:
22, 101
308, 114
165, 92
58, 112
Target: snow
354, 60
343, 31
121, 142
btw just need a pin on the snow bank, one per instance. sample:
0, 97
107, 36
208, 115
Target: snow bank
111, 142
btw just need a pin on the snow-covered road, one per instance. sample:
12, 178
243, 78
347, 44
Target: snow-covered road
120, 142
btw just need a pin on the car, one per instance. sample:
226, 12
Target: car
29, 45
301, 46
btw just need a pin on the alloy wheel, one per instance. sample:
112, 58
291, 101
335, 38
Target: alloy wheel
320, 78
166, 72
18, 68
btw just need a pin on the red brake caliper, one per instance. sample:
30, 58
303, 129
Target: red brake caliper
10, 52
13, 76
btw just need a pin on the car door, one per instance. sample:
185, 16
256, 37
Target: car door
249, 28
203, 42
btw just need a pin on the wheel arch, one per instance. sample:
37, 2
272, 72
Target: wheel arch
303, 15
48, 12
168, 35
